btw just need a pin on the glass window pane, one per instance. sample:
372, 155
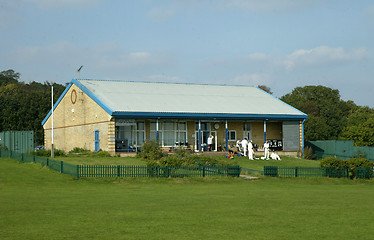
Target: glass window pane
181, 126
153, 126
168, 126
140, 125
169, 138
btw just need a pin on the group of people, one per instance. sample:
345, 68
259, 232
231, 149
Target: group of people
247, 148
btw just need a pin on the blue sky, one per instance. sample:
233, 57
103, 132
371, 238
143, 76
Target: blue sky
282, 44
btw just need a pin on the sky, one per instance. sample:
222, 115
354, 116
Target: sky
282, 44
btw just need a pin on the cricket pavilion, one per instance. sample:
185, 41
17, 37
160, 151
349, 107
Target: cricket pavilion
118, 116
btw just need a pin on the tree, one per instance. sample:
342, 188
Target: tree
360, 127
265, 88
8, 76
24, 106
327, 113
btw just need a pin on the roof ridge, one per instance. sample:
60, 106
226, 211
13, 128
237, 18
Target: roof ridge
132, 81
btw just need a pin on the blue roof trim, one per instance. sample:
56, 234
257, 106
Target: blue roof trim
285, 103
86, 91
58, 102
222, 116
93, 96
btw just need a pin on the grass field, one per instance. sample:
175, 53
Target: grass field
38, 203
242, 161
88, 160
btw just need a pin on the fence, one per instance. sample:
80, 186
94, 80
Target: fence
341, 149
124, 171
18, 141
274, 171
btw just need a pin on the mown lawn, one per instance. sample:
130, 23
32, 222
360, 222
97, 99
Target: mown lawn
242, 161
38, 203
94, 160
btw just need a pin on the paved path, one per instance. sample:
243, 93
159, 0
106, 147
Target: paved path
248, 177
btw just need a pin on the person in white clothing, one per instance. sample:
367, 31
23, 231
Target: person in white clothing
238, 145
250, 150
274, 156
266, 148
210, 142
244, 146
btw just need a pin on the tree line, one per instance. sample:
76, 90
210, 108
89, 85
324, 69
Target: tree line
23, 106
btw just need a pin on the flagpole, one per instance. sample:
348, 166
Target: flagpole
52, 150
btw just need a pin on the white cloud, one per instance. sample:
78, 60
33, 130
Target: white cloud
257, 57
323, 55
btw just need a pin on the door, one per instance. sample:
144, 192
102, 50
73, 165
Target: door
247, 131
214, 134
97, 140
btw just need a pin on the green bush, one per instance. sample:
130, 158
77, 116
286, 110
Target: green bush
47, 153
100, 153
79, 150
333, 162
171, 160
308, 153
151, 151
358, 162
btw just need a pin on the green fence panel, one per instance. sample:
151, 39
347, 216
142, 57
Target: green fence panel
336, 172
274, 171
28, 158
341, 149
41, 160
271, 171
364, 172
18, 141
54, 165
70, 169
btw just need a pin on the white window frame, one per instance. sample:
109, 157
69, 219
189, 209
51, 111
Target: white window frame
161, 131
229, 135
140, 131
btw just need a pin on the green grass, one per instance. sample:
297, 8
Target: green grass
242, 161
38, 203
89, 160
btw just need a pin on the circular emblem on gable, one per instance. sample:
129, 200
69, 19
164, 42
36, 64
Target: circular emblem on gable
73, 96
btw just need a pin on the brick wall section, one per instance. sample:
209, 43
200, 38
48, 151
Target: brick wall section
112, 137
75, 120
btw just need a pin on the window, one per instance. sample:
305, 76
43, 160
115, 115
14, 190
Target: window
181, 133
169, 132
153, 131
232, 135
140, 133
129, 134
246, 127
